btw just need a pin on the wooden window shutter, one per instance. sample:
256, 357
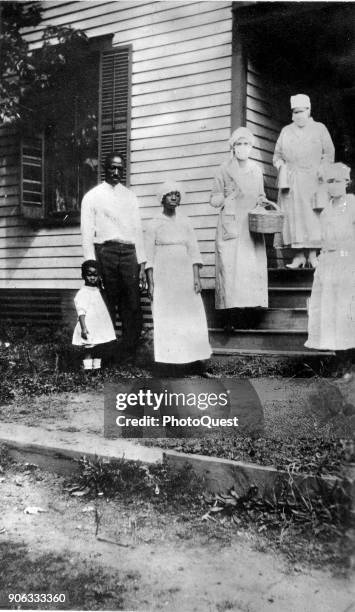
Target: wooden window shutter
32, 177
115, 107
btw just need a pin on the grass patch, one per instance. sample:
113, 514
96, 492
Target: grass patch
43, 361
85, 586
307, 525
314, 528
124, 478
5, 459
318, 456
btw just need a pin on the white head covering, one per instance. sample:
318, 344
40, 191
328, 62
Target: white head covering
241, 132
300, 101
168, 187
338, 171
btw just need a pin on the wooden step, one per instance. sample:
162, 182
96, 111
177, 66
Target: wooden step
225, 352
281, 318
290, 278
288, 297
256, 340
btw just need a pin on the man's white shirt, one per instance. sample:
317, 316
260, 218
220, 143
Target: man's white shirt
111, 213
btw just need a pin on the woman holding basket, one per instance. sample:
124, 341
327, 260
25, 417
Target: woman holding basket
241, 266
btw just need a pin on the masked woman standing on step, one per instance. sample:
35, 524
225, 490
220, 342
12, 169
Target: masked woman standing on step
303, 150
331, 322
241, 267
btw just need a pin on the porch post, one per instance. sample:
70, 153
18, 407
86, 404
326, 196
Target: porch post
239, 76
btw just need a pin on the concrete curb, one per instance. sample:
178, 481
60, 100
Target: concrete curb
221, 475
56, 451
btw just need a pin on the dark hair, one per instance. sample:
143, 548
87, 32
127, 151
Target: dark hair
89, 263
109, 157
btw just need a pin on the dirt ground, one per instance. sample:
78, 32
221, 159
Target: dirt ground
303, 407
145, 560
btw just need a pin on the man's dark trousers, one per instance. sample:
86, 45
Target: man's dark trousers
120, 273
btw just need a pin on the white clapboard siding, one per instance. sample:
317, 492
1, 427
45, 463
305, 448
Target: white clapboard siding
155, 109
181, 93
40, 283
264, 125
179, 49
40, 252
180, 125
178, 85
178, 71
35, 263
188, 127
9, 210
135, 14
166, 24
10, 221
184, 151
164, 165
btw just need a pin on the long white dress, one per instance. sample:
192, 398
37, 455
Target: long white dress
89, 302
180, 326
304, 150
241, 264
331, 324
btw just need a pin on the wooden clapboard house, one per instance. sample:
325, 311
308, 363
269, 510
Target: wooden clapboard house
171, 81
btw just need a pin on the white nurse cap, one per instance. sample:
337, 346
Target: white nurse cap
300, 101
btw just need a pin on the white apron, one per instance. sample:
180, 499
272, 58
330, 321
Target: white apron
304, 150
241, 264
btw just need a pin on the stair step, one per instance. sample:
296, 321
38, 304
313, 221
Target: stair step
270, 352
290, 278
280, 318
288, 297
265, 339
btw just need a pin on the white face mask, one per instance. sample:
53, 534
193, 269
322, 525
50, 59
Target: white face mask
300, 116
336, 187
242, 149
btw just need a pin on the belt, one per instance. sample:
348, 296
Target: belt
125, 242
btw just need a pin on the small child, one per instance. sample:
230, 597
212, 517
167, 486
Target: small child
94, 326
331, 324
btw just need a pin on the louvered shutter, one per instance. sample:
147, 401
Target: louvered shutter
115, 98
32, 177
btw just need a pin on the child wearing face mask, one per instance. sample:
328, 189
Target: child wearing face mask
303, 149
94, 326
331, 324
241, 266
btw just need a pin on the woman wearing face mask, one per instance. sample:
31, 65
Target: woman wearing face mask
302, 151
241, 268
331, 324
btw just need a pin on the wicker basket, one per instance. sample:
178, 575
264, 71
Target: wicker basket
266, 218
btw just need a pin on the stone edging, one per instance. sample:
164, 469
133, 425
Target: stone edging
218, 474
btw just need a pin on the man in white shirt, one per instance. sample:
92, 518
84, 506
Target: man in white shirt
112, 234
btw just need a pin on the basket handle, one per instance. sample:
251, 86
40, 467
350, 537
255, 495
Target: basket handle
268, 203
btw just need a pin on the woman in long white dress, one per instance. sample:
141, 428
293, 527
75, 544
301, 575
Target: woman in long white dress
241, 265
303, 150
174, 285
331, 324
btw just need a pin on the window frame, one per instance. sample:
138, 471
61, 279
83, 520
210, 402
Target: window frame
42, 215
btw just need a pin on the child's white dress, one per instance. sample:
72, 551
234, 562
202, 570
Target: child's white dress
180, 326
89, 302
331, 324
